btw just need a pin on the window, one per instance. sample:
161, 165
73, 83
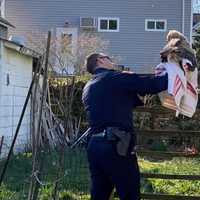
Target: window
66, 43
155, 25
66, 49
106, 24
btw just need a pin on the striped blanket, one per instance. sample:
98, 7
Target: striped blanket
181, 95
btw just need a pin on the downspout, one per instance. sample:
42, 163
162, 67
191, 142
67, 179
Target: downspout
191, 24
3, 8
183, 16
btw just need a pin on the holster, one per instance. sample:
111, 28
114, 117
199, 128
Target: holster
124, 140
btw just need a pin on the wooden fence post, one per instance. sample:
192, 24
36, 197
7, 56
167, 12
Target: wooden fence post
1, 143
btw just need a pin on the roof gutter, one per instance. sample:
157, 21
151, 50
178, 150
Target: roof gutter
5, 22
21, 49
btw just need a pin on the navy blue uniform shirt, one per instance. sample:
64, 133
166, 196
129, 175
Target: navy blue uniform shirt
109, 98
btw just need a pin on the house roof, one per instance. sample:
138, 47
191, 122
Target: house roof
6, 23
20, 48
196, 26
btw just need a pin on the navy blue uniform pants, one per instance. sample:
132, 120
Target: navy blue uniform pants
109, 170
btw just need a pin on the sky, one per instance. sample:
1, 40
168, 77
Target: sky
196, 6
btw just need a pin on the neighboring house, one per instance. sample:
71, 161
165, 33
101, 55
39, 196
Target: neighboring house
196, 24
196, 18
136, 29
16, 67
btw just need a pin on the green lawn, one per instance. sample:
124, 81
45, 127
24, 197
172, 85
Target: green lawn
174, 166
75, 180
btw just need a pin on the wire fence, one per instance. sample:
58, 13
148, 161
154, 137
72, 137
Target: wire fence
73, 183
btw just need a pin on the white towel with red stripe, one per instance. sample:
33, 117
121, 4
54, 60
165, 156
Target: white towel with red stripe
181, 95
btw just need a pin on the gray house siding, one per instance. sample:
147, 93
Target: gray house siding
136, 47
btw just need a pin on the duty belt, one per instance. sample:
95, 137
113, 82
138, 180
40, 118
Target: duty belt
101, 135
111, 133
123, 139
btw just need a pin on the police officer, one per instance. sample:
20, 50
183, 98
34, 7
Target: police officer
109, 98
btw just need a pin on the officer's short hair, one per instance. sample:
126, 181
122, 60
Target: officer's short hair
91, 62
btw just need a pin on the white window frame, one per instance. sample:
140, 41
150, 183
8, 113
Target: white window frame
70, 68
108, 18
156, 20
